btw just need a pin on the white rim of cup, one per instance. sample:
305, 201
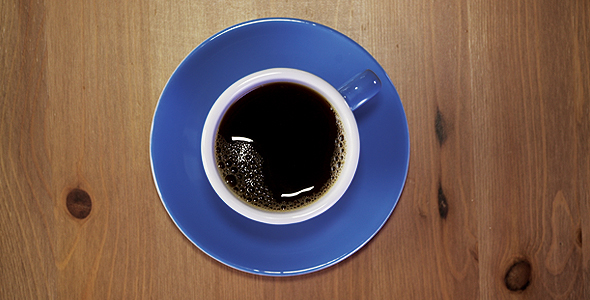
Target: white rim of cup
244, 86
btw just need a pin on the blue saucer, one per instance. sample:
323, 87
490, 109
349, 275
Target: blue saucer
250, 246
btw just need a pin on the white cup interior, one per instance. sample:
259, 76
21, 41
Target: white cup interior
247, 84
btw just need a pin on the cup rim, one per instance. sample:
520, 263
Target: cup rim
244, 86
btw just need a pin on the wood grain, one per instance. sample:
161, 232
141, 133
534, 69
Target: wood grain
497, 201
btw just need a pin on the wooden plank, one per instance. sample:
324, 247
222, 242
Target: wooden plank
528, 112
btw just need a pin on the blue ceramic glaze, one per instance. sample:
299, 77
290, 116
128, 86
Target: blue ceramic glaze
244, 244
360, 88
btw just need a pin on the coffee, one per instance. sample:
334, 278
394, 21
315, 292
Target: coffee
280, 147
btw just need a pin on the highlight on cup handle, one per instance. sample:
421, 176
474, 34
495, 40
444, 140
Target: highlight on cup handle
360, 88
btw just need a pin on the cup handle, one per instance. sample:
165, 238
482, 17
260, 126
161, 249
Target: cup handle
360, 88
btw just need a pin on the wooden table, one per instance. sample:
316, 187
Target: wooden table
497, 200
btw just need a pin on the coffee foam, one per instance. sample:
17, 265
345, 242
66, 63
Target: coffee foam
240, 167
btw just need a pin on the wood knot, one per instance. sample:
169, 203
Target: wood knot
79, 203
579, 237
443, 205
440, 127
518, 276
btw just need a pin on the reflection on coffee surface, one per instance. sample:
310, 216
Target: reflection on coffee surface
280, 147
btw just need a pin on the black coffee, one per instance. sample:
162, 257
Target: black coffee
280, 147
